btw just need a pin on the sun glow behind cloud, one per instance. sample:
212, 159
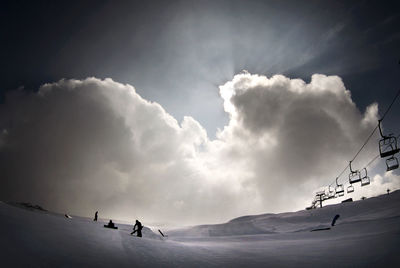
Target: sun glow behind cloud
92, 144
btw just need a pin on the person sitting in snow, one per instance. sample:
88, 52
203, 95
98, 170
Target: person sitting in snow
137, 228
110, 224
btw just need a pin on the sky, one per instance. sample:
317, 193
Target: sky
192, 111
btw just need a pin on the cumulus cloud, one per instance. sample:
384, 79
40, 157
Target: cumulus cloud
295, 135
86, 145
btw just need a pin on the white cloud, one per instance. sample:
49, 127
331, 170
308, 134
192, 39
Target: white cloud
82, 146
294, 136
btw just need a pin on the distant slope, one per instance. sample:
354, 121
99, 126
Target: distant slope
147, 232
384, 206
366, 235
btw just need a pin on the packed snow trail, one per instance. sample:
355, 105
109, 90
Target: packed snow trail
367, 234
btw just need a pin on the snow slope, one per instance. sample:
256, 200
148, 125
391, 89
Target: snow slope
384, 206
367, 234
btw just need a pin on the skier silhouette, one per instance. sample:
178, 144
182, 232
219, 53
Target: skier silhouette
111, 225
137, 228
95, 216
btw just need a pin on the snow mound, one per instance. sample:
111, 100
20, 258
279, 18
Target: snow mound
384, 206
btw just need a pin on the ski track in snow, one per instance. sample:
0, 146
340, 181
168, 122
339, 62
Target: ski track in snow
367, 234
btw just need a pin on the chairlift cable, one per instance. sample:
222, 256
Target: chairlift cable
391, 104
365, 143
369, 137
359, 151
362, 147
370, 162
341, 173
373, 131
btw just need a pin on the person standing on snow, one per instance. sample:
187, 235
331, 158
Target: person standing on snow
95, 216
137, 228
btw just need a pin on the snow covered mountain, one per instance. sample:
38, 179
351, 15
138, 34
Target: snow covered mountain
367, 234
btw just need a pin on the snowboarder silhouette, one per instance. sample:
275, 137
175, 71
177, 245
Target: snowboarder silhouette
95, 216
110, 224
137, 228
335, 219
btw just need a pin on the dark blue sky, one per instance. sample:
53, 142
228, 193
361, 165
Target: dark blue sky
177, 52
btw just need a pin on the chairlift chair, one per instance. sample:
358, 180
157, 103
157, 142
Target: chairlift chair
364, 177
339, 189
388, 144
392, 163
354, 175
331, 193
350, 189
365, 181
328, 196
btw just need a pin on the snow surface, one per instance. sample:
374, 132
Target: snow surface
367, 234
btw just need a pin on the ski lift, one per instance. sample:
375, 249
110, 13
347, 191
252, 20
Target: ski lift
319, 196
354, 176
331, 193
339, 189
392, 163
388, 144
328, 196
364, 177
350, 189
